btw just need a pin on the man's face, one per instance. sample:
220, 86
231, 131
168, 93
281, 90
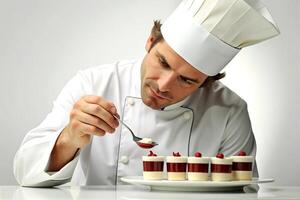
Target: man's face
166, 77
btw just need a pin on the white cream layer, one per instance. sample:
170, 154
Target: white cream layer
222, 161
242, 158
242, 175
146, 140
153, 175
197, 176
153, 158
174, 159
204, 160
176, 176
221, 176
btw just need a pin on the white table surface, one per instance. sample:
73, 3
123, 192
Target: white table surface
138, 192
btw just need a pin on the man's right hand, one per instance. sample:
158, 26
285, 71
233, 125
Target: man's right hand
91, 115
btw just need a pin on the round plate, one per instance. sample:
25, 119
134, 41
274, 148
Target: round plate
192, 185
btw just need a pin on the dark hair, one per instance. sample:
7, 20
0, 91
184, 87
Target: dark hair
158, 37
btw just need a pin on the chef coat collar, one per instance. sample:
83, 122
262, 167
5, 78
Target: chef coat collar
176, 105
137, 85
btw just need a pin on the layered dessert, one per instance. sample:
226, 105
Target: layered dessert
146, 143
176, 167
198, 167
221, 168
153, 166
242, 166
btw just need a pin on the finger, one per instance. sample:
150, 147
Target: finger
98, 100
107, 105
100, 112
90, 130
94, 121
114, 112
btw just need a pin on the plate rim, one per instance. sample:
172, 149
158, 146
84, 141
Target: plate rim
138, 180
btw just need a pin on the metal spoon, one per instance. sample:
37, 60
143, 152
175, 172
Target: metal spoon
136, 138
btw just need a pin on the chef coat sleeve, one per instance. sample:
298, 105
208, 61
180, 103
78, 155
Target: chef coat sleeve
238, 133
31, 159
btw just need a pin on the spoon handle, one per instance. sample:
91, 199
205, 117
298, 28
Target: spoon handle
135, 138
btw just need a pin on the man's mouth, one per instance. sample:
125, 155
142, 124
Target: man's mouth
157, 95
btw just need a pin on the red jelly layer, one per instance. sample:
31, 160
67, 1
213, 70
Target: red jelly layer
145, 145
197, 167
153, 165
242, 166
176, 167
219, 168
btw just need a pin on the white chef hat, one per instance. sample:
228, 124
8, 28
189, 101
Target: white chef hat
209, 33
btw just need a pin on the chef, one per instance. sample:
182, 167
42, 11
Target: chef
171, 95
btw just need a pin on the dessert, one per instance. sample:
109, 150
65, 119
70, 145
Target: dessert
221, 168
198, 167
176, 167
146, 143
242, 166
153, 166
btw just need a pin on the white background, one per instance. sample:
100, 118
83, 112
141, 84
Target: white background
44, 43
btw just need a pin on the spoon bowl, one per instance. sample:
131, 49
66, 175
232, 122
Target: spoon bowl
146, 145
136, 138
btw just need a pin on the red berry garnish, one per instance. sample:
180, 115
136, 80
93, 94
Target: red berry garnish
176, 154
220, 155
198, 154
242, 153
152, 154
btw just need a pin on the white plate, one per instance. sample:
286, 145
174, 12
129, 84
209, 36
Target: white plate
192, 185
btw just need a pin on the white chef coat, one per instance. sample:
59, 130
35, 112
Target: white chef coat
213, 119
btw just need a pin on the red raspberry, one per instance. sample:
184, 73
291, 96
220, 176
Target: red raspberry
198, 154
220, 155
242, 153
176, 154
152, 154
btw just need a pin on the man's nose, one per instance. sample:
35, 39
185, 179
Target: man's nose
166, 81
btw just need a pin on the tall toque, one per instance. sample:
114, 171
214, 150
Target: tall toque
209, 33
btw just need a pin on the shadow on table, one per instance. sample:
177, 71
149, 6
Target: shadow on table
145, 193
124, 192
25, 193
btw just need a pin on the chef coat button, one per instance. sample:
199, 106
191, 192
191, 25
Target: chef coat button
186, 115
130, 102
124, 159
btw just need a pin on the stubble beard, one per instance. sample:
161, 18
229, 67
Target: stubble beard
148, 100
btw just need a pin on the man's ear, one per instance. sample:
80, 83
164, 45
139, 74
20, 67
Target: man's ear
149, 43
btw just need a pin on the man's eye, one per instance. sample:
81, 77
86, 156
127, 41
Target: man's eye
186, 81
163, 63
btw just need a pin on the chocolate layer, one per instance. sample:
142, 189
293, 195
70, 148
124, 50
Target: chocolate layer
176, 167
242, 166
219, 168
197, 167
153, 166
